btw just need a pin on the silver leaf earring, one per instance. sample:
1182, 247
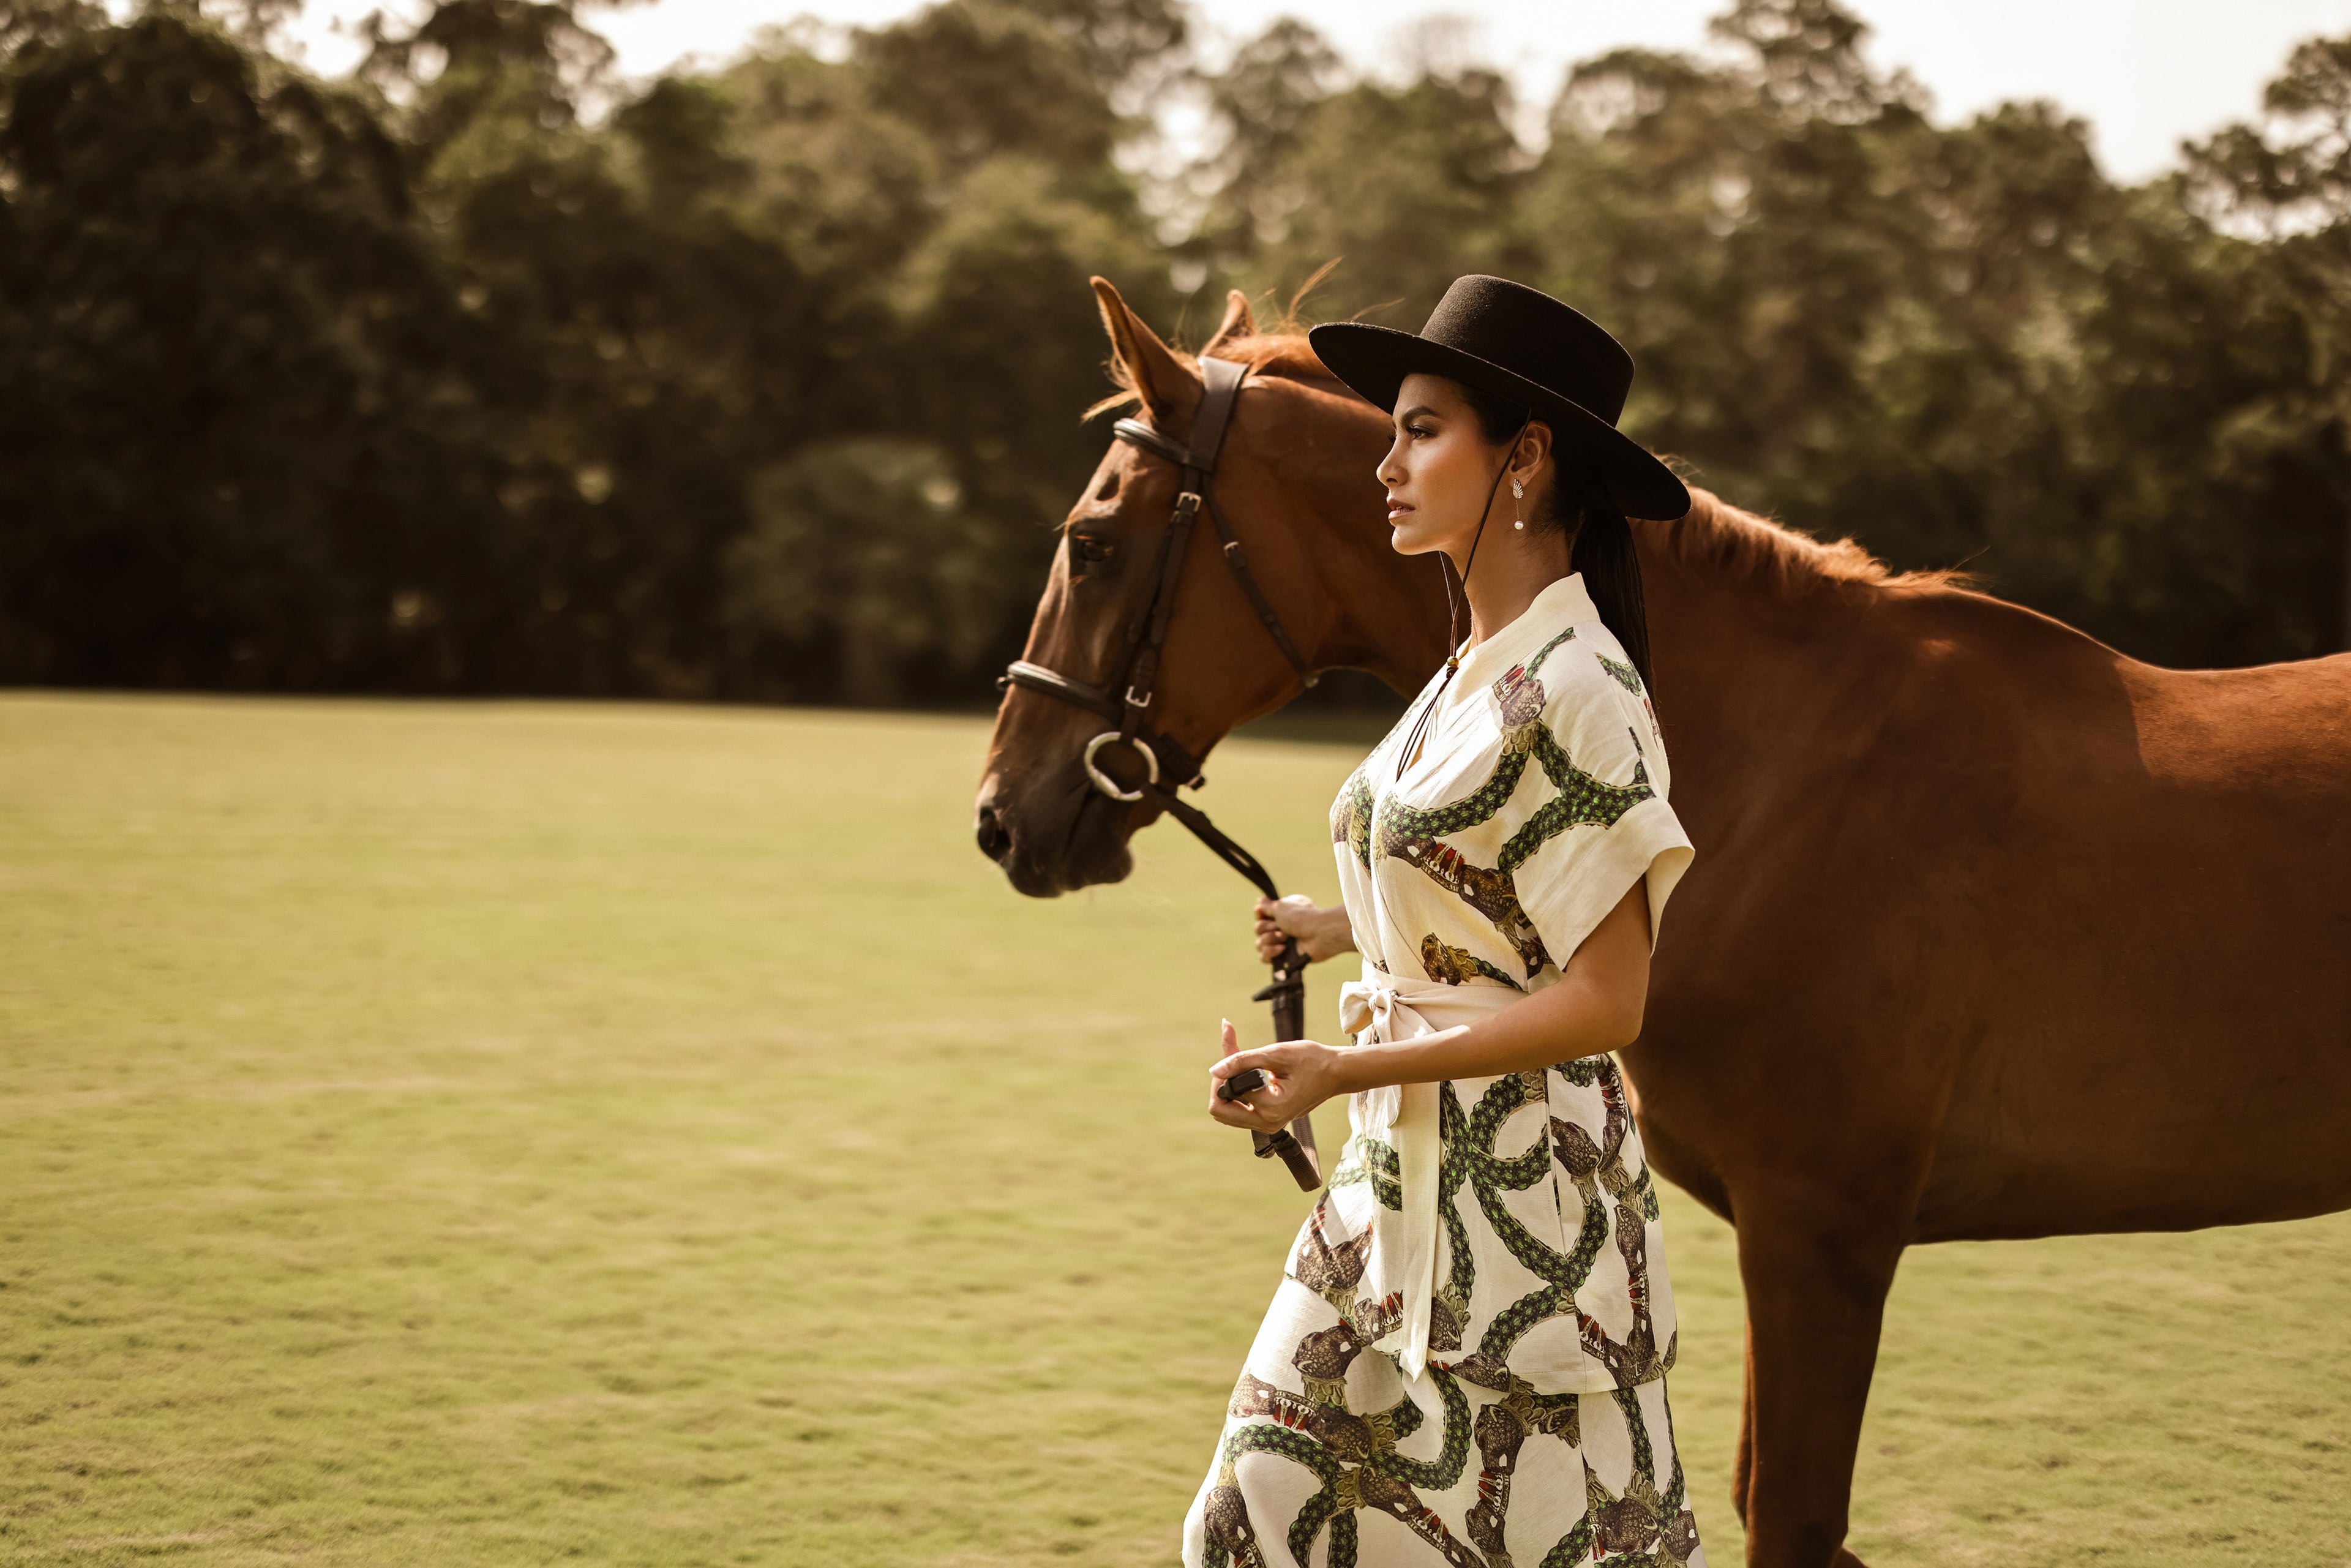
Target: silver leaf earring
1518, 492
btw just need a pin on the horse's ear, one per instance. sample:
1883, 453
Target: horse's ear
1237, 323
1169, 388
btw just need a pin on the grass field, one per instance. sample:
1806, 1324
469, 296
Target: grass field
508, 1134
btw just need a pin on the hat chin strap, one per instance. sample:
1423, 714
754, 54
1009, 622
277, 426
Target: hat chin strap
1411, 748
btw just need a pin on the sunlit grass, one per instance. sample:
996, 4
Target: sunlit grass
519, 1132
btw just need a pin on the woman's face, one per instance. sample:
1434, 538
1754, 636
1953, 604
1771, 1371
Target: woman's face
1439, 470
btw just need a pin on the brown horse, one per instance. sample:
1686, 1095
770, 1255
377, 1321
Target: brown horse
1994, 932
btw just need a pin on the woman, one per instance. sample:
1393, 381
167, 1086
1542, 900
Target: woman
1465, 1362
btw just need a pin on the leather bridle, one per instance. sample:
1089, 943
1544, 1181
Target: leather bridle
1162, 757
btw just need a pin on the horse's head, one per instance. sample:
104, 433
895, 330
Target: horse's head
1294, 478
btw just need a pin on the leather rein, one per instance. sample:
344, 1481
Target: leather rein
1162, 757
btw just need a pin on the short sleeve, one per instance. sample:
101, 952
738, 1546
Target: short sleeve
1601, 820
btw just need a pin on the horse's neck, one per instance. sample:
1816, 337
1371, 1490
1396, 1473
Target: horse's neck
1743, 670
1781, 680
1385, 612
1392, 618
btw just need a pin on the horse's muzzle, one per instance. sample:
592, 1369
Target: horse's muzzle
1077, 843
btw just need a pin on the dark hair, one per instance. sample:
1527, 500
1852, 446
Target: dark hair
1603, 549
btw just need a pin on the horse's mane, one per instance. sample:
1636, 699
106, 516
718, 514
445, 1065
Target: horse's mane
1715, 537
1285, 354
1720, 539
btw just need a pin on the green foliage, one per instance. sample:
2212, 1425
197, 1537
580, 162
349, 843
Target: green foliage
1433, 206
862, 543
218, 335
988, 80
477, 372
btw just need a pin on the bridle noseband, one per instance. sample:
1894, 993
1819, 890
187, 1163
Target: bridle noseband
1163, 759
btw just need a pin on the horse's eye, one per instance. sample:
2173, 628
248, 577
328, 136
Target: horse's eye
1088, 550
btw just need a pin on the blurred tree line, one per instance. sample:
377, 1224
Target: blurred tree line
484, 371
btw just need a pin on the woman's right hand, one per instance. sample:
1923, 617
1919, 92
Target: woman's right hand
1321, 932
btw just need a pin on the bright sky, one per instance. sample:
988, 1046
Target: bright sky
2145, 73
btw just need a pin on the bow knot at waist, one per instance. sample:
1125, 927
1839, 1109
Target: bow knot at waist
1397, 1007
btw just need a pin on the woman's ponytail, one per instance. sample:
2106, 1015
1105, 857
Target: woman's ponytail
1603, 553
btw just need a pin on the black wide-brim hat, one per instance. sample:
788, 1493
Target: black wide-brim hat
1520, 344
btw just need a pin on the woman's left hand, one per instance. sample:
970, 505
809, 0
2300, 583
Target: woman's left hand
1303, 1073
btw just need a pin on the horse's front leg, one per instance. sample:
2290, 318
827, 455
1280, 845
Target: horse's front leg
1817, 1266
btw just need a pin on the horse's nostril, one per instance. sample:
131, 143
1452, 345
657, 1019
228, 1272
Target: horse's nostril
994, 841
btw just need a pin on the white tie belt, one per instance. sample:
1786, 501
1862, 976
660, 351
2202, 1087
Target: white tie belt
1388, 1007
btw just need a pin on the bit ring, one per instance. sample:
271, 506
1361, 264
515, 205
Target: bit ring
1103, 781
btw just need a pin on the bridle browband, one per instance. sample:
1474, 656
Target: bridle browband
1162, 757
